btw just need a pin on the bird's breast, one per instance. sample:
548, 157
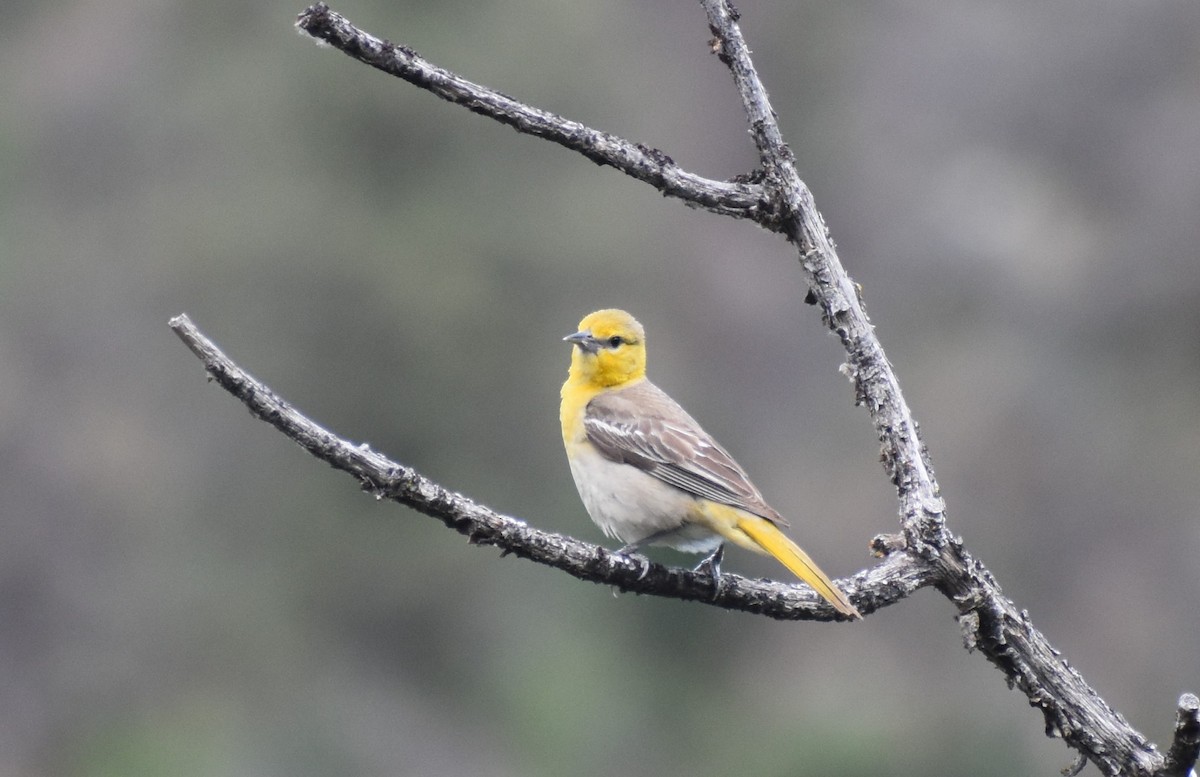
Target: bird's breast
630, 505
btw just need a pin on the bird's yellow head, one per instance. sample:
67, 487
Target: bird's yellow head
610, 349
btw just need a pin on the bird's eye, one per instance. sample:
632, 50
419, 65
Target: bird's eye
614, 341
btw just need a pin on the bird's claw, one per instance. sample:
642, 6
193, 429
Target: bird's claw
630, 552
711, 565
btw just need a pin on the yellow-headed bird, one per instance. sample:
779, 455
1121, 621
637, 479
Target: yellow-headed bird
646, 471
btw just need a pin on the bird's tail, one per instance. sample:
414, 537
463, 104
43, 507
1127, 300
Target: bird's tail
774, 542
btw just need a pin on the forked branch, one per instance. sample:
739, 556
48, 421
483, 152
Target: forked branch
776, 198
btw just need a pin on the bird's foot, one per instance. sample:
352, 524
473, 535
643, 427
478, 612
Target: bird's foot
711, 565
630, 552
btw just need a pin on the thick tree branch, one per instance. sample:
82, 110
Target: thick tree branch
876, 385
884, 584
991, 623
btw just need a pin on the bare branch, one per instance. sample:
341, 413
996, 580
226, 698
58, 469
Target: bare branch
737, 199
875, 381
1185, 745
886, 583
991, 623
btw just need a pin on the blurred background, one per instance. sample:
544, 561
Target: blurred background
184, 592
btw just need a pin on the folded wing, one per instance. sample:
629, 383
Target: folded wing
640, 425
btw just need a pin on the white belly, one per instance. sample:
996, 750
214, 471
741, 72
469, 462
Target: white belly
630, 505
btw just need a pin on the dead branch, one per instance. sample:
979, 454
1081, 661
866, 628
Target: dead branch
778, 200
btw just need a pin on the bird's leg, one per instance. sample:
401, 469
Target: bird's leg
712, 562
632, 547
712, 566
631, 551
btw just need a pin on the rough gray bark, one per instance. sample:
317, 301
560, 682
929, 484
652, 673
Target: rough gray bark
925, 553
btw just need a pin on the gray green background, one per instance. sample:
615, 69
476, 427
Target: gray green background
183, 592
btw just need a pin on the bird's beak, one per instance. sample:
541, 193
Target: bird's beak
584, 340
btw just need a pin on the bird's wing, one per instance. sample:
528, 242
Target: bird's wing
641, 426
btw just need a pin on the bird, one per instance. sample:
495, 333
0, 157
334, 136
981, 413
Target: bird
646, 471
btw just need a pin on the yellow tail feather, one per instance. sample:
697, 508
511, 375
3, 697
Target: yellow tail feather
774, 542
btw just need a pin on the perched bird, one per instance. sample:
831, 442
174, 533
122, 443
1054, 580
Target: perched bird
646, 471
